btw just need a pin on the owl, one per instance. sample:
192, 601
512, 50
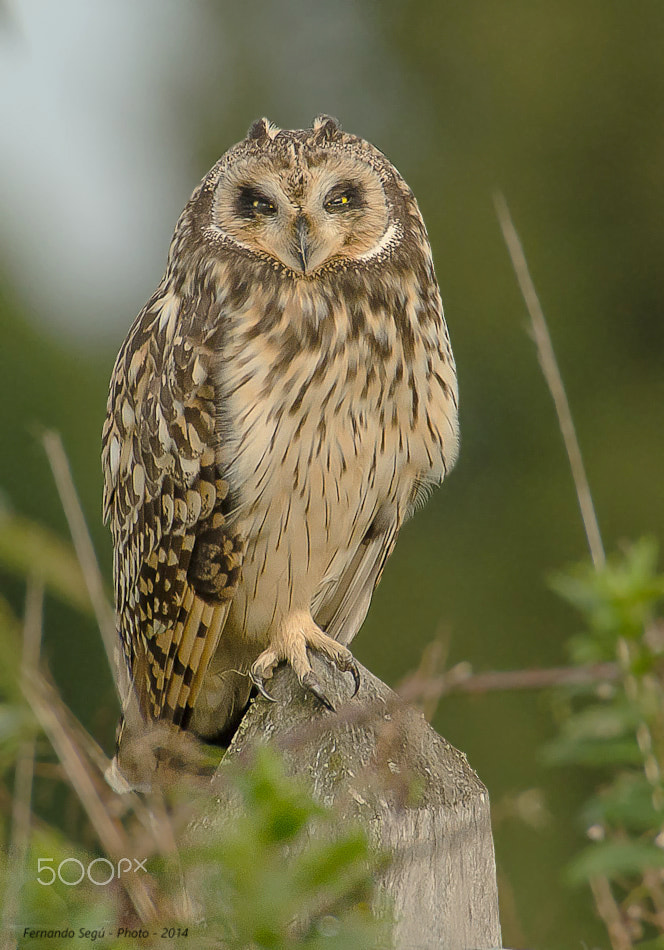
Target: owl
280, 407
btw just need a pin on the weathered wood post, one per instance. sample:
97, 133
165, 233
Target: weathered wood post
377, 761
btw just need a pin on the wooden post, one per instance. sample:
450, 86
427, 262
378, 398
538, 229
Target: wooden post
377, 761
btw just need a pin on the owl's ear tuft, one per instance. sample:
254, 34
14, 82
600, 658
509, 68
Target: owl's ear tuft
326, 128
262, 130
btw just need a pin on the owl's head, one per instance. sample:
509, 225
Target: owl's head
309, 199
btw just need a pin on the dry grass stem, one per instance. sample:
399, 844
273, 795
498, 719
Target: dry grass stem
611, 915
426, 685
82, 545
607, 906
25, 764
53, 717
461, 679
73, 746
92, 575
652, 880
165, 839
549, 364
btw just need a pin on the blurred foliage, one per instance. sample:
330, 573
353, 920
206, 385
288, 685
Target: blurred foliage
29, 548
283, 859
280, 875
616, 727
558, 105
263, 884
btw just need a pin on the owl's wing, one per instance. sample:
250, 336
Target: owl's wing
176, 564
342, 612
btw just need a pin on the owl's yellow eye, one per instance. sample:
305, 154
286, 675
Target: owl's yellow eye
343, 198
263, 206
336, 204
251, 203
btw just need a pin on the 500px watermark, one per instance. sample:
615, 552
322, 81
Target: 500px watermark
100, 871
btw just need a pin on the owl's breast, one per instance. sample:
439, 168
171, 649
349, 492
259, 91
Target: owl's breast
309, 438
324, 430
326, 424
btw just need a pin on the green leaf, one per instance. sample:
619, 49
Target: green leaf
618, 600
657, 943
602, 721
626, 803
29, 548
10, 653
325, 863
594, 753
611, 858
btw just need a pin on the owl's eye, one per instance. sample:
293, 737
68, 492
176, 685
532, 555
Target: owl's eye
252, 202
343, 198
337, 203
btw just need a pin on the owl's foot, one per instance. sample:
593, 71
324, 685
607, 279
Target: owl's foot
298, 636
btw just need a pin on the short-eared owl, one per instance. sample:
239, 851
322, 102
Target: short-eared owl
279, 408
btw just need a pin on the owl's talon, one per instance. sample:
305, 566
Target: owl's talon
311, 683
258, 683
354, 671
346, 663
299, 639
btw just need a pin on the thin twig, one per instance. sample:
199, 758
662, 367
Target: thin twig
601, 887
83, 546
428, 683
52, 715
610, 913
164, 837
25, 764
461, 679
106, 829
549, 364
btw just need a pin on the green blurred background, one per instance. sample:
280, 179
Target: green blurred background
112, 112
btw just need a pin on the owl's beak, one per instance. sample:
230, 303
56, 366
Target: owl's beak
302, 241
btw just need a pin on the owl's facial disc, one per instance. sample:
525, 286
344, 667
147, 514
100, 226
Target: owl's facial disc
332, 207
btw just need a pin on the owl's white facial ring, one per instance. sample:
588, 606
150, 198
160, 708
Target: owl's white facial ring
335, 209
